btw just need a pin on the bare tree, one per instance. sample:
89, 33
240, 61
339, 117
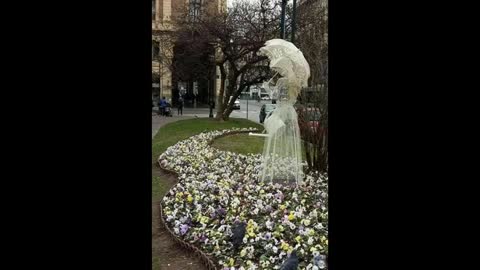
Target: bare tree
313, 122
234, 37
190, 60
312, 38
238, 35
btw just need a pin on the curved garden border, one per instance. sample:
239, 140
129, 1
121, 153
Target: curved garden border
209, 263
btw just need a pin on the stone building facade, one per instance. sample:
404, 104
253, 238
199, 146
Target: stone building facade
164, 13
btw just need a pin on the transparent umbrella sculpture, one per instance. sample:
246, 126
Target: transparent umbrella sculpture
282, 155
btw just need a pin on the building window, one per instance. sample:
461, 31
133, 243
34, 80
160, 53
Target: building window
194, 9
153, 10
155, 50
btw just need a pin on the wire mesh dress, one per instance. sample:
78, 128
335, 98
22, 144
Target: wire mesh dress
282, 154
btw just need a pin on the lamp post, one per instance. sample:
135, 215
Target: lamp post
213, 75
210, 102
294, 24
160, 88
282, 19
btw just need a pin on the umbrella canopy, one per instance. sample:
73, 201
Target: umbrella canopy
288, 61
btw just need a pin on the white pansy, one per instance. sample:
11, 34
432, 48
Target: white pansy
229, 182
310, 241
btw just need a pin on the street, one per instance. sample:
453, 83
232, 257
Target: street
253, 109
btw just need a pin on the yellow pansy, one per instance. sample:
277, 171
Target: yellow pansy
243, 253
298, 239
204, 219
291, 216
189, 198
284, 246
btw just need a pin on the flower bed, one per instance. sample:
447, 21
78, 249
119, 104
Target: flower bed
218, 188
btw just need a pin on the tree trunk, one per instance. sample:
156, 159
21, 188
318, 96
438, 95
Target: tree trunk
224, 111
228, 104
220, 103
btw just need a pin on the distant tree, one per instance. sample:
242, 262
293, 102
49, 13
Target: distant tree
236, 37
312, 38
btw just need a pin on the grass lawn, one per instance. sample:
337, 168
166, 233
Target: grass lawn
171, 133
158, 187
244, 144
240, 143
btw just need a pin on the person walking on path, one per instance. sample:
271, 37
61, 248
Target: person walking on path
161, 105
159, 110
180, 105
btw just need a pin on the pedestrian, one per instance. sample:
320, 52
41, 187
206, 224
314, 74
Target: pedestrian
180, 105
161, 105
212, 106
158, 106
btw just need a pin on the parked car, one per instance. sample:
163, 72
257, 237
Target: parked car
310, 115
254, 91
266, 111
236, 104
263, 94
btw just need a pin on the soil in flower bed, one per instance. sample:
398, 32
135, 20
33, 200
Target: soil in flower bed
166, 254
278, 219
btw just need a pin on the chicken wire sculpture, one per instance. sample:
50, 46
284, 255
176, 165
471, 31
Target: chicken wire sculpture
282, 155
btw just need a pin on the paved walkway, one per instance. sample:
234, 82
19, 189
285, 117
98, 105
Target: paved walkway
159, 121
166, 254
